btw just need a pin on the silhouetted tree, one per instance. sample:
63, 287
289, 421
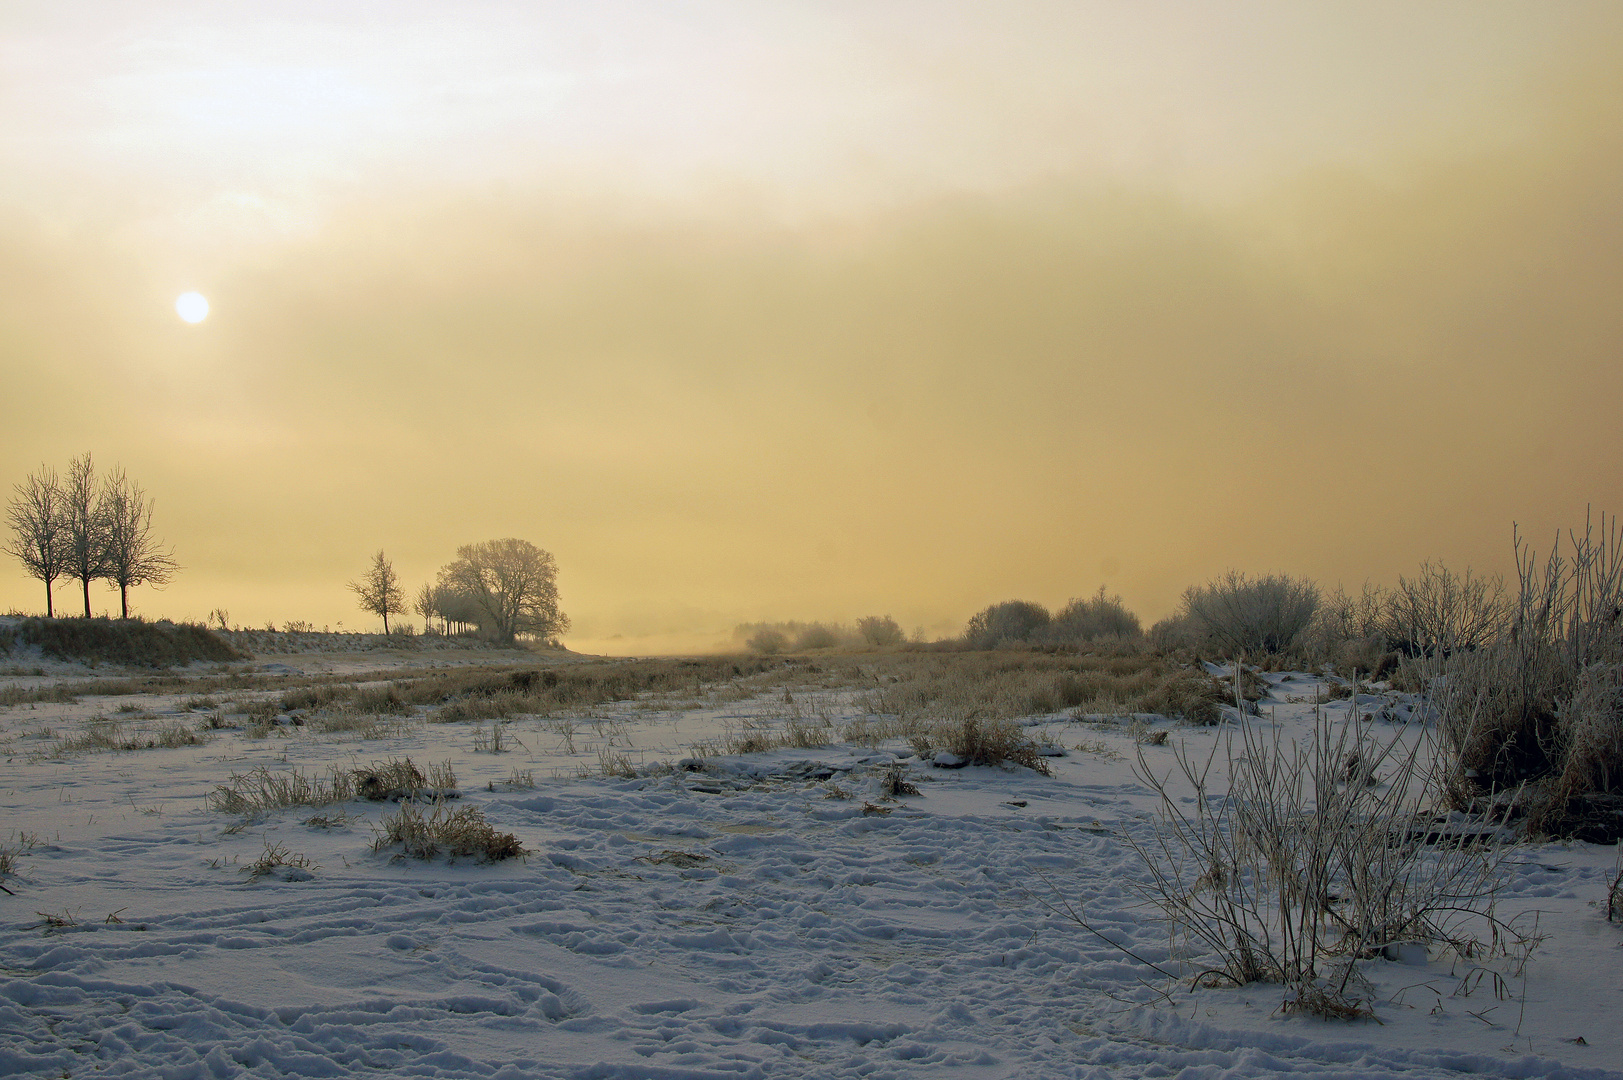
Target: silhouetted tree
511, 584
86, 519
38, 520
457, 610
379, 591
133, 556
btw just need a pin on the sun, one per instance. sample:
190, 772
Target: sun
193, 307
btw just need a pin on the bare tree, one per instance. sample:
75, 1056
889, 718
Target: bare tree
512, 584
38, 522
427, 607
133, 555
379, 591
86, 525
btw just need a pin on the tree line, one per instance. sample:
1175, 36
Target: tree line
771, 638
85, 528
499, 588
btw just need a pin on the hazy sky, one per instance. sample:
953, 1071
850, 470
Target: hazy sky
784, 310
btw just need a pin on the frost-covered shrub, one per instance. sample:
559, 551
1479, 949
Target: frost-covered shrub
1176, 631
1009, 623
772, 638
1439, 611
1243, 614
817, 636
879, 630
1092, 618
768, 642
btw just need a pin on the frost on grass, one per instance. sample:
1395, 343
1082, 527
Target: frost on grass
458, 833
262, 790
993, 742
111, 735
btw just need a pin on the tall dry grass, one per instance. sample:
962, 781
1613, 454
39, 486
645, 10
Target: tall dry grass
1001, 686
1539, 709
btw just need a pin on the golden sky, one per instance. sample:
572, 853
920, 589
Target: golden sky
814, 310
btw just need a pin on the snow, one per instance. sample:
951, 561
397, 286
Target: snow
738, 920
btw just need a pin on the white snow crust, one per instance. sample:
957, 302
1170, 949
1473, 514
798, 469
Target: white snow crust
730, 923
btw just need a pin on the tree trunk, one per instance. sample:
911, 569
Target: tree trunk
385, 624
124, 601
87, 597
50, 613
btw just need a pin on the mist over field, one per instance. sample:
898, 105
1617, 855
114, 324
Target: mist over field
819, 311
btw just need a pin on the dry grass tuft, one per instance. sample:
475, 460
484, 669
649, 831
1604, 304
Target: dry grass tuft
496, 741
112, 735
518, 780
1004, 685
992, 742
803, 736
394, 781
895, 783
1100, 748
274, 858
484, 694
261, 790
611, 763
50, 922
60, 693
1327, 1001
365, 726
458, 833
871, 731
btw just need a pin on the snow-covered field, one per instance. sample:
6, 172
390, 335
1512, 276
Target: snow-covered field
769, 915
